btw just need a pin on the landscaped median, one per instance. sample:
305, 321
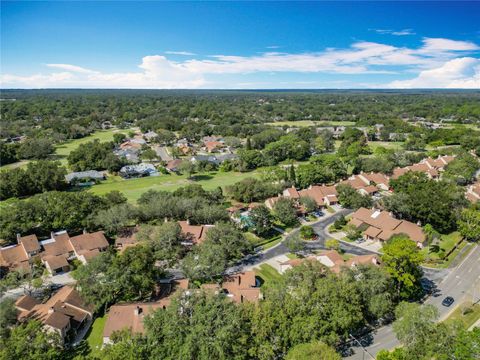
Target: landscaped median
466, 313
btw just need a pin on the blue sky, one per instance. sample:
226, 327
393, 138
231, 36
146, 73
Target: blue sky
240, 44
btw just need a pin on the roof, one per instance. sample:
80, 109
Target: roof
318, 193
56, 262
61, 245
89, 174
242, 287
291, 193
211, 145
129, 316
63, 308
30, 243
196, 233
88, 242
173, 164
26, 303
14, 257
384, 226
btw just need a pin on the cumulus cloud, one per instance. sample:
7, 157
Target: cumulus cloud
184, 53
362, 57
457, 73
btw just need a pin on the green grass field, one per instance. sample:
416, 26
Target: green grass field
134, 188
447, 242
267, 274
95, 334
63, 150
396, 145
305, 123
467, 319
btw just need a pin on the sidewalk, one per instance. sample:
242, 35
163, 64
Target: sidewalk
369, 245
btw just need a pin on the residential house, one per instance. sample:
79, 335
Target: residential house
473, 192
21, 255
323, 195
150, 135
270, 202
368, 183
195, 233
240, 288
130, 154
174, 165
85, 176
139, 170
61, 248
212, 146
131, 316
431, 167
332, 260
127, 238
65, 312
381, 226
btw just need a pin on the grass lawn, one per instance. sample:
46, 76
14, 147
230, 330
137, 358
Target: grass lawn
63, 150
469, 318
447, 242
267, 273
292, 256
305, 123
397, 145
95, 334
274, 241
134, 188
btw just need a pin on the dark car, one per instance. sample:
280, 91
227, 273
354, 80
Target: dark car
448, 301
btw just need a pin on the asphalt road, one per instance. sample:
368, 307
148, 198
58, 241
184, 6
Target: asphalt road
461, 282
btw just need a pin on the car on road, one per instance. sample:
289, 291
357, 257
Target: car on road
448, 301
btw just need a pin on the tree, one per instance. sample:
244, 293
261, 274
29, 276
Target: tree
186, 167
251, 189
285, 211
402, 260
8, 316
30, 341
94, 155
308, 203
115, 218
469, 224
166, 241
314, 350
200, 325
33, 148
340, 222
417, 198
414, 323
462, 169
333, 244
294, 243
307, 232
261, 219
350, 198
149, 154
119, 138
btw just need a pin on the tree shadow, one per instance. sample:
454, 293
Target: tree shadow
202, 177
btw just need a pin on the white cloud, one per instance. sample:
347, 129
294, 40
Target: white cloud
457, 73
72, 68
184, 53
394, 32
363, 57
273, 47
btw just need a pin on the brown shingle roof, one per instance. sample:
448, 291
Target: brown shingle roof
86, 243
14, 257
60, 246
30, 243
241, 287
197, 233
26, 303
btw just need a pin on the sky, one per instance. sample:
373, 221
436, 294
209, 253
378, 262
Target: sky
240, 45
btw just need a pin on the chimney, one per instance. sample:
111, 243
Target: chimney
138, 310
18, 238
50, 310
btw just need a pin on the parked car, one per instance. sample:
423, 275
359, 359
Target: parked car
448, 301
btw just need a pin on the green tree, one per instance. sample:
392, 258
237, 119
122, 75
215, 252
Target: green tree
149, 154
30, 341
34, 148
307, 232
115, 218
309, 203
294, 243
262, 220
166, 241
285, 211
314, 350
402, 260
199, 326
8, 316
351, 198
333, 244
469, 224
119, 138
186, 167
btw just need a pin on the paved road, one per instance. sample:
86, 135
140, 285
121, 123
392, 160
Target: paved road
462, 282
163, 153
